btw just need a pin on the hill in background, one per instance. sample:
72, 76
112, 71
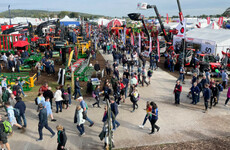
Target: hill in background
43, 14
227, 12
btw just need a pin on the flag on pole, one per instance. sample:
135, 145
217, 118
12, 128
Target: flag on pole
181, 28
208, 20
158, 49
167, 21
150, 44
132, 39
139, 42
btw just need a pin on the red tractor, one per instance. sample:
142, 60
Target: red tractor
208, 60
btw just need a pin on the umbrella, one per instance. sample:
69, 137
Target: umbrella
21, 43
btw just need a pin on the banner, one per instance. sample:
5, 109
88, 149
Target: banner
208, 47
150, 44
167, 21
208, 20
132, 39
139, 42
158, 49
220, 22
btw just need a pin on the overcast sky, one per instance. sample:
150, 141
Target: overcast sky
121, 7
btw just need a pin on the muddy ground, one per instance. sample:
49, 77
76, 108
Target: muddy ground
221, 143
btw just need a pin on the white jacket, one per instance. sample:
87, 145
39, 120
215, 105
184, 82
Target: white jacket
58, 96
80, 119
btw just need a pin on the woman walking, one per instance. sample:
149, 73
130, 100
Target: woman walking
62, 138
58, 99
147, 116
154, 117
79, 120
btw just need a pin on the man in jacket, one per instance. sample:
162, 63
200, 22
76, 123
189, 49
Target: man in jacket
114, 110
77, 88
43, 122
20, 105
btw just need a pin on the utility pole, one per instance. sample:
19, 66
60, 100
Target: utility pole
9, 13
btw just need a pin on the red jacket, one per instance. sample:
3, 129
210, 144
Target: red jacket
178, 88
42, 89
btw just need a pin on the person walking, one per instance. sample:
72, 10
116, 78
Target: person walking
114, 110
148, 116
224, 79
96, 95
84, 106
49, 94
69, 90
134, 98
3, 136
11, 117
195, 90
215, 93
43, 122
228, 97
154, 117
143, 74
48, 108
79, 120
58, 99
182, 72
207, 96
177, 91
61, 137
77, 88
20, 105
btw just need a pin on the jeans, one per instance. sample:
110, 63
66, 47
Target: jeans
40, 127
206, 104
194, 99
177, 98
77, 91
146, 117
90, 121
115, 122
126, 90
151, 65
134, 105
181, 77
97, 101
20, 120
81, 128
58, 104
171, 68
70, 98
153, 124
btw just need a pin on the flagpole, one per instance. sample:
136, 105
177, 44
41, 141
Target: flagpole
9, 13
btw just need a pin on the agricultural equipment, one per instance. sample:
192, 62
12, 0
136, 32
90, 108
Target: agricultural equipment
206, 61
42, 29
28, 81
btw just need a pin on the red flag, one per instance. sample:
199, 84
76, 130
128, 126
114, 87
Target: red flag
158, 48
132, 39
167, 21
208, 20
220, 22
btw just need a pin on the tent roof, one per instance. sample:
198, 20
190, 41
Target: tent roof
219, 36
67, 18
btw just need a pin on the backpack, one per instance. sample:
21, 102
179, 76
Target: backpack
7, 126
16, 112
221, 88
36, 102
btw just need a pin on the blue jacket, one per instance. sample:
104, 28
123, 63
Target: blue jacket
207, 94
195, 90
21, 106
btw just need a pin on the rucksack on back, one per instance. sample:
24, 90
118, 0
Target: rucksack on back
7, 126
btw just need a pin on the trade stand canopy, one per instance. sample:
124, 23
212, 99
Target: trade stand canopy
69, 21
211, 41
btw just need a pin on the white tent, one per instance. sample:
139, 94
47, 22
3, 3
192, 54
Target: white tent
101, 21
211, 41
213, 25
67, 19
